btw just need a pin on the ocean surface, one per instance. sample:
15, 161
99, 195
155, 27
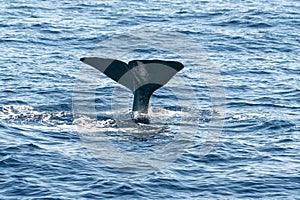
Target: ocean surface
225, 127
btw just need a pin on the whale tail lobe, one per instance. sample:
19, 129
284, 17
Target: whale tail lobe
142, 77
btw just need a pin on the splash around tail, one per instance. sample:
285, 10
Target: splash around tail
142, 77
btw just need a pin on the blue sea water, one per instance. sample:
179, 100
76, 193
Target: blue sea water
254, 45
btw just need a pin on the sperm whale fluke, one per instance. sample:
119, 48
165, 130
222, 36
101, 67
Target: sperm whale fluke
142, 77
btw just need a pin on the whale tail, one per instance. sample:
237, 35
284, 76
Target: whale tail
142, 77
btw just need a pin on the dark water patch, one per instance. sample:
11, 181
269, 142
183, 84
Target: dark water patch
287, 140
21, 148
9, 161
252, 104
8, 92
